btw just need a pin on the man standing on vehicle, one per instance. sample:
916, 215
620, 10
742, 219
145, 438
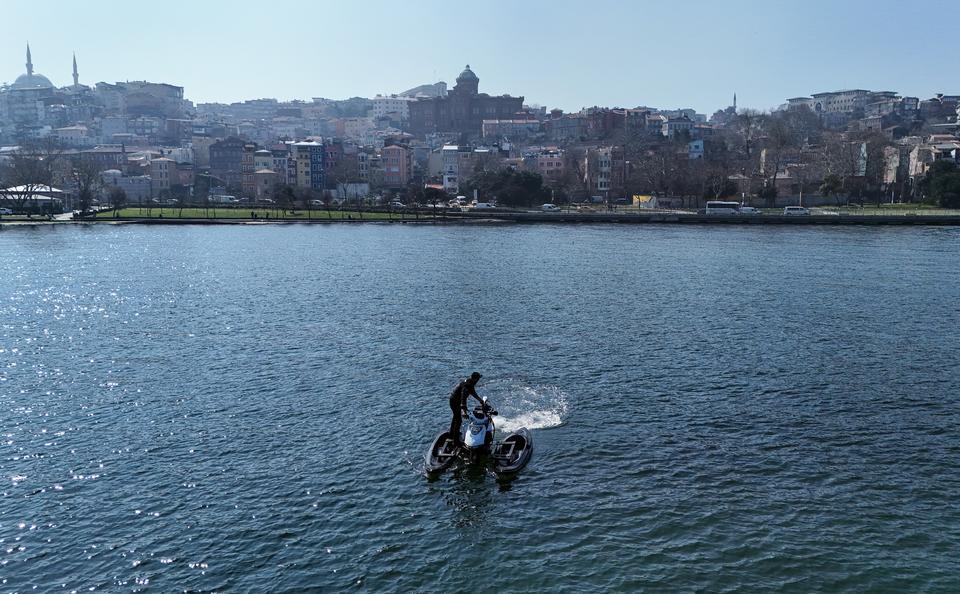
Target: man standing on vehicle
458, 404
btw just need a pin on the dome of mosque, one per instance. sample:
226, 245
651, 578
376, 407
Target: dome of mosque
32, 81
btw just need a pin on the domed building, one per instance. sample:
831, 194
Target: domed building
23, 102
467, 82
463, 109
31, 81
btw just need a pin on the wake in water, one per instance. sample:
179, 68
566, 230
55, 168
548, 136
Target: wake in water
533, 407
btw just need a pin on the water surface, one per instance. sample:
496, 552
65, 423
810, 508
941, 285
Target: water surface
245, 408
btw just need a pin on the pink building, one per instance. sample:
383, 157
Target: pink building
550, 163
397, 164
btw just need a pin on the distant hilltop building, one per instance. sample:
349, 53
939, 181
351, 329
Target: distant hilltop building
462, 110
31, 81
32, 107
435, 90
23, 102
879, 111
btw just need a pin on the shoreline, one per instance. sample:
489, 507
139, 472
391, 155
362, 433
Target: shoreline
539, 218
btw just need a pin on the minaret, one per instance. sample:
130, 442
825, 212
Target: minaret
29, 62
734, 102
76, 75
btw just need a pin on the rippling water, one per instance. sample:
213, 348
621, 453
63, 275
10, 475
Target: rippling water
245, 408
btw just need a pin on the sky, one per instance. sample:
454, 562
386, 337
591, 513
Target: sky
561, 53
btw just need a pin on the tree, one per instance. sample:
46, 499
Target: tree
433, 196
286, 197
832, 186
942, 181
345, 170
575, 181
664, 170
180, 195
780, 140
87, 181
510, 187
30, 171
118, 198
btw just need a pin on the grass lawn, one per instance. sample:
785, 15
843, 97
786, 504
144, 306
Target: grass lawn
873, 209
263, 214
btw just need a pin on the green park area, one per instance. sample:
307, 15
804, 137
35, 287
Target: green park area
262, 214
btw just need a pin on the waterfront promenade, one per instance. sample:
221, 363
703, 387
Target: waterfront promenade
170, 217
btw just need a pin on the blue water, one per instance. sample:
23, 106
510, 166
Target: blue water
245, 408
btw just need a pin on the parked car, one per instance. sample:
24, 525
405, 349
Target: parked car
749, 210
482, 205
795, 211
397, 204
5, 211
549, 208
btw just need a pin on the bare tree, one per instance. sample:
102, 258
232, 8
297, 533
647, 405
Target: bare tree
87, 181
30, 172
118, 199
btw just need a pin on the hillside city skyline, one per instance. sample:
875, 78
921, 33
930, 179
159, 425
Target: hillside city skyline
75, 74
632, 54
399, 117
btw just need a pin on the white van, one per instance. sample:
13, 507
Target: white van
549, 208
795, 211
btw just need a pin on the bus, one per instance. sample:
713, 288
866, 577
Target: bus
722, 208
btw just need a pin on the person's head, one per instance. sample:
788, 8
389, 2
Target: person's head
474, 378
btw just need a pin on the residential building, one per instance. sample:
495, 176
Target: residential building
674, 126
394, 107
605, 171
247, 168
201, 144
547, 161
280, 163
264, 182
226, 160
262, 159
307, 161
138, 188
106, 157
163, 173
397, 165
450, 164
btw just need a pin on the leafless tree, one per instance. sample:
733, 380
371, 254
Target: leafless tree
87, 181
118, 198
30, 170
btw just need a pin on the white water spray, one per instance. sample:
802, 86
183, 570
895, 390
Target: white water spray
533, 407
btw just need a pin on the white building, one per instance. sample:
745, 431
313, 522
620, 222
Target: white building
162, 172
393, 107
450, 167
357, 128
695, 149
136, 187
76, 136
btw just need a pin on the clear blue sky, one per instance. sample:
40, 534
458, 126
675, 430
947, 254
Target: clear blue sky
560, 53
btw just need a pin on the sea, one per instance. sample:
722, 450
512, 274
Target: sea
245, 408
